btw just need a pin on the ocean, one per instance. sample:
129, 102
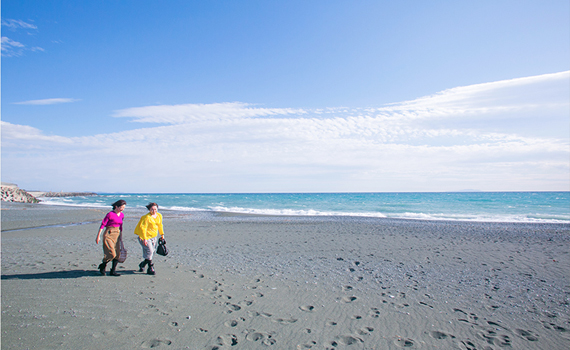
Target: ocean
546, 207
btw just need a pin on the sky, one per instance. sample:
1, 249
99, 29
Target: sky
177, 96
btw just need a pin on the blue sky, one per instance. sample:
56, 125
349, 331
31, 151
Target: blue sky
286, 96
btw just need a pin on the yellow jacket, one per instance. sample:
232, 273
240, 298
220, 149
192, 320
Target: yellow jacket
149, 227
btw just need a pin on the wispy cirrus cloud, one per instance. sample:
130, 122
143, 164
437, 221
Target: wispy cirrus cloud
547, 90
13, 48
429, 144
14, 24
177, 114
47, 101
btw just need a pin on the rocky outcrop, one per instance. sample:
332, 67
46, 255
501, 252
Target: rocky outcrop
11, 193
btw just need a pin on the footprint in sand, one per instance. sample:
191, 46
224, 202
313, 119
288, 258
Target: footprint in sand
345, 340
502, 340
365, 330
309, 345
471, 318
227, 339
374, 313
440, 335
285, 321
404, 342
348, 299
528, 335
231, 323
492, 307
307, 308
263, 338
246, 302
468, 345
494, 324
152, 309
349, 340
491, 337
233, 307
155, 343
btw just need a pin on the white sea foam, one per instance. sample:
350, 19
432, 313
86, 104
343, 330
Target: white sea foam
405, 215
480, 207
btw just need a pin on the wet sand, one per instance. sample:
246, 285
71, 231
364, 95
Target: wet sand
253, 282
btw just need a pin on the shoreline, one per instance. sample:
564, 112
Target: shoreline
478, 207
255, 282
7, 206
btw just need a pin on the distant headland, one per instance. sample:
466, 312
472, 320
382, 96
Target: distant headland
12, 193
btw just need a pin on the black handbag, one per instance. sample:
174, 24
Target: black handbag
161, 249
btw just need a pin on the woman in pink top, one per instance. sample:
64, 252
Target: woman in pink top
113, 226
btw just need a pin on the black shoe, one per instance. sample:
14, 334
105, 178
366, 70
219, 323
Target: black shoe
102, 267
150, 270
113, 271
141, 266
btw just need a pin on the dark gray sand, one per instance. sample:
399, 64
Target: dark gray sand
254, 282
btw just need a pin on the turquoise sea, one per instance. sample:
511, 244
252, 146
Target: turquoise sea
551, 207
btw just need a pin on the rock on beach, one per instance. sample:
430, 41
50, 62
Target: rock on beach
11, 193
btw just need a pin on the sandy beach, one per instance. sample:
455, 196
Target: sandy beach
261, 282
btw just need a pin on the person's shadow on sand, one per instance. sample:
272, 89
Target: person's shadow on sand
59, 275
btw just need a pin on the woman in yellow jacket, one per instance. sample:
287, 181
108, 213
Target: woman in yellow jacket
148, 228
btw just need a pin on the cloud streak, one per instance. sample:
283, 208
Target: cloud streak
178, 114
502, 96
47, 101
434, 143
12, 48
14, 24
15, 133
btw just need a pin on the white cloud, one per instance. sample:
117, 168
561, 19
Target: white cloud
47, 101
548, 90
177, 114
11, 43
14, 132
16, 24
402, 147
11, 48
